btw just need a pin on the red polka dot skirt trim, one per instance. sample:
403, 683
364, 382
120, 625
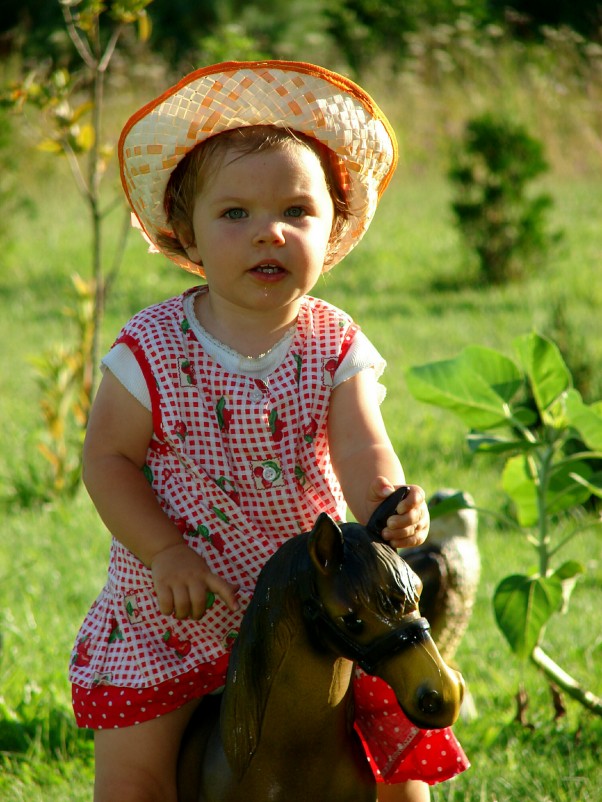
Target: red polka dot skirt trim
111, 706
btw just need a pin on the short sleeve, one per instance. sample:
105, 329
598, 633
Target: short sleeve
124, 366
361, 356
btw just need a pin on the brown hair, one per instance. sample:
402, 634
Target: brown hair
192, 172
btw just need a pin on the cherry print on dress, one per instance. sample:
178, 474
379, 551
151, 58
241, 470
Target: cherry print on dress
329, 368
277, 427
187, 373
224, 415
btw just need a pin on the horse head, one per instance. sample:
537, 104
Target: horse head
360, 600
326, 597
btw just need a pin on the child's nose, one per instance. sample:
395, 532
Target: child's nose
269, 232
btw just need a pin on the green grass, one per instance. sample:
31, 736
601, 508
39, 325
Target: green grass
409, 286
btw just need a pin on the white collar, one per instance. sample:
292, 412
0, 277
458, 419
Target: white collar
258, 367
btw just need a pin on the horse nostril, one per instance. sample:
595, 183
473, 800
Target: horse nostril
430, 702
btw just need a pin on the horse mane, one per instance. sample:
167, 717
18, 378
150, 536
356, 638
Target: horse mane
265, 635
375, 574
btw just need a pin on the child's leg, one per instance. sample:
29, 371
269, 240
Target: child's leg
138, 764
411, 791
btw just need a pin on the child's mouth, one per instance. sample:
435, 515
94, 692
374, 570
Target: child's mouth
268, 269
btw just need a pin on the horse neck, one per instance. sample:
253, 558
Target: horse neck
312, 687
309, 685
291, 691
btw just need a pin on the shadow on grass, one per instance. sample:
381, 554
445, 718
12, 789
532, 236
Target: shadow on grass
53, 735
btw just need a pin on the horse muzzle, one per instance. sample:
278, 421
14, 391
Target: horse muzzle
439, 707
427, 689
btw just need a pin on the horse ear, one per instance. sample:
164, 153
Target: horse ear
325, 545
386, 508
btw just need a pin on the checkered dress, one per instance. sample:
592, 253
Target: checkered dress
238, 464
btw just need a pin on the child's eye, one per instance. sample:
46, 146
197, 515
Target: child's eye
235, 214
294, 211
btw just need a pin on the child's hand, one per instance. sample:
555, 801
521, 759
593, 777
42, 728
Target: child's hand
410, 526
184, 583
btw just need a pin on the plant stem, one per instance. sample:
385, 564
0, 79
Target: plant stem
577, 531
541, 484
568, 684
97, 243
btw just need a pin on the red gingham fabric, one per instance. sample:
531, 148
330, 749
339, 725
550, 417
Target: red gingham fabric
240, 465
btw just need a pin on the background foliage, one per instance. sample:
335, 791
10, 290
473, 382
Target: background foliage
359, 30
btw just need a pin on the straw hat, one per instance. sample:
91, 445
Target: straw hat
287, 94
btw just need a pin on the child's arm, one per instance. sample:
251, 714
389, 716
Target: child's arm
366, 464
117, 439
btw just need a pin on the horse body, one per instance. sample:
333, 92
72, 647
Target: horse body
308, 748
284, 731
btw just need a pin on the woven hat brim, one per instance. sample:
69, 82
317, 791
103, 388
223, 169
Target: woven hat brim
289, 94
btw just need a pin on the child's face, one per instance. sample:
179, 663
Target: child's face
261, 225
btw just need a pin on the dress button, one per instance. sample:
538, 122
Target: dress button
256, 396
269, 473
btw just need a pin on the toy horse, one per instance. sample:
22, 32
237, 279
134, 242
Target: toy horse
327, 600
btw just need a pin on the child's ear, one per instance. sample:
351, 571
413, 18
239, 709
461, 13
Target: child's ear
192, 252
186, 236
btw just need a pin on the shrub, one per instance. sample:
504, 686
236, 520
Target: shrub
490, 171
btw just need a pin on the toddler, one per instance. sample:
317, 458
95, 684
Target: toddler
229, 417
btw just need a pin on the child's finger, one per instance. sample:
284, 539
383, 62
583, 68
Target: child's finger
165, 599
182, 607
414, 498
409, 528
199, 600
226, 592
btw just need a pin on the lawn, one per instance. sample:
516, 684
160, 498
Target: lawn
410, 287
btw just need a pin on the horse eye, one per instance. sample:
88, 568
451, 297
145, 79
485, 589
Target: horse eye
352, 623
397, 604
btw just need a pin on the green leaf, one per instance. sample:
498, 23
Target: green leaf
477, 386
523, 605
566, 487
480, 443
501, 373
519, 484
586, 419
567, 573
568, 570
453, 503
525, 416
546, 370
563, 491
